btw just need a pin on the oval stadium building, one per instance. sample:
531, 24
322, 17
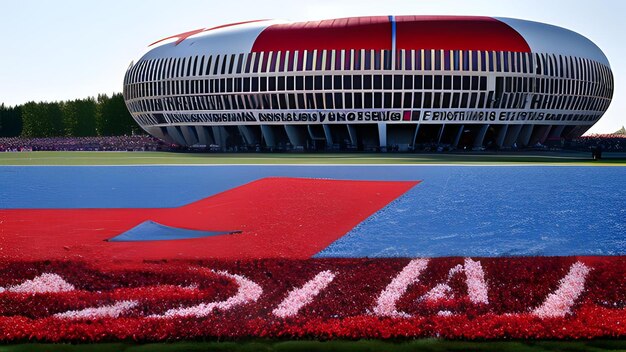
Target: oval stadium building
370, 83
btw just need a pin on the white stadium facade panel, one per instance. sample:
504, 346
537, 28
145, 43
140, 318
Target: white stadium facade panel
368, 83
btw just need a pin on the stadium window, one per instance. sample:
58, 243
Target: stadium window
407, 100
377, 60
271, 82
299, 57
473, 100
378, 82
229, 85
483, 83
358, 100
292, 101
319, 59
491, 57
318, 83
465, 58
397, 82
387, 82
446, 60
216, 65
348, 100
447, 82
308, 82
367, 100
181, 68
319, 100
347, 82
290, 60
367, 82
328, 82
338, 59
417, 100
418, 59
464, 97
397, 100
356, 82
446, 100
437, 60
475, 80
378, 100
329, 100
483, 60
246, 84
299, 83
428, 82
408, 59
273, 60
387, 104
231, 66
466, 83
347, 60
418, 81
281, 83
189, 66
309, 60
456, 60
329, 62
338, 101
437, 100
290, 83
367, 61
438, 82
310, 102
337, 82
427, 60
387, 59
408, 82
255, 84
498, 57
263, 84
239, 64
474, 59
427, 100
481, 100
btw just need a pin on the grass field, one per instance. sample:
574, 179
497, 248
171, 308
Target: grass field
309, 346
170, 158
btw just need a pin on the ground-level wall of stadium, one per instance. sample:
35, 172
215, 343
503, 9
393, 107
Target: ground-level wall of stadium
373, 136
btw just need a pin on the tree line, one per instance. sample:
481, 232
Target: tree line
101, 116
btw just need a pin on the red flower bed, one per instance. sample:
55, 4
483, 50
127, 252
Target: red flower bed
486, 298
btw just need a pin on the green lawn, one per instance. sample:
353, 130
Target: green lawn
151, 158
363, 345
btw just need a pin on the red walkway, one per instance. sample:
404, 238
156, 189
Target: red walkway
278, 217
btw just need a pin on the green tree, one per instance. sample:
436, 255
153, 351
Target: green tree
113, 118
10, 121
42, 119
79, 117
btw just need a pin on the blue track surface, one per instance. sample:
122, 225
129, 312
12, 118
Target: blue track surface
456, 210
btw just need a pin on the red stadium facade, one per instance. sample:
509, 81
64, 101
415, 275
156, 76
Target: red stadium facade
370, 83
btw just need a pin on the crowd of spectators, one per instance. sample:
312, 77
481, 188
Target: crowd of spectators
607, 142
113, 143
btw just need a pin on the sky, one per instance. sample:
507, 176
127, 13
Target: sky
68, 49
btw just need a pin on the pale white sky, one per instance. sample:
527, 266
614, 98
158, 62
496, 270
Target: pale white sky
67, 49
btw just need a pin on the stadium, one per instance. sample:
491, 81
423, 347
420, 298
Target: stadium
370, 83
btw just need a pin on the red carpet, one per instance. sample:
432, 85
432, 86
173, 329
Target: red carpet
277, 217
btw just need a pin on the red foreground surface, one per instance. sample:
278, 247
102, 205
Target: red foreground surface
240, 299
277, 217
